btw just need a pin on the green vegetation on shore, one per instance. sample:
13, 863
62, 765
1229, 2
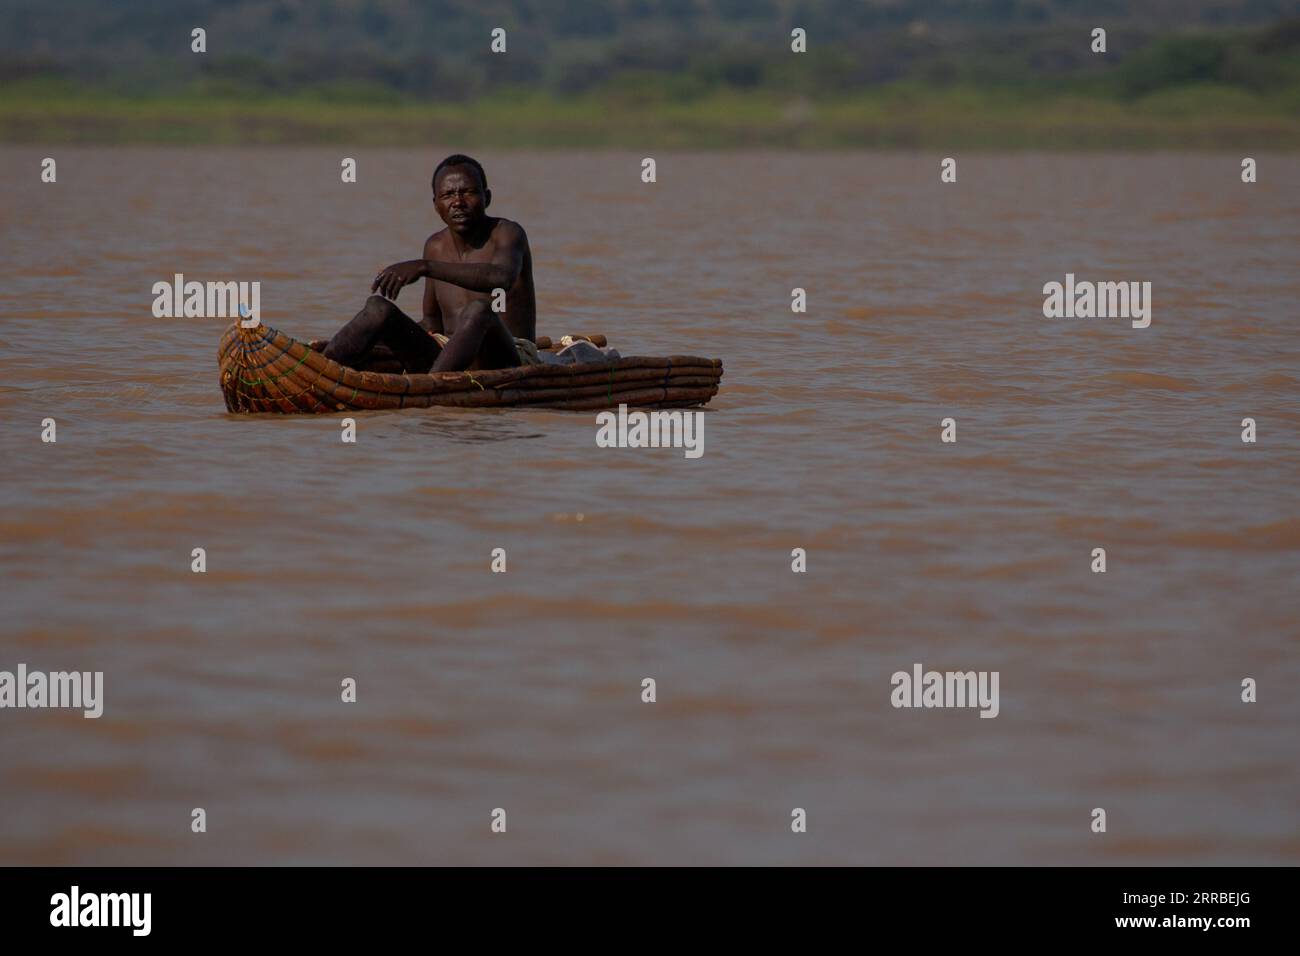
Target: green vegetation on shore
1205, 116
689, 85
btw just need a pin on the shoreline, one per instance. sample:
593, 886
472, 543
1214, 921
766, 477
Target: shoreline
969, 119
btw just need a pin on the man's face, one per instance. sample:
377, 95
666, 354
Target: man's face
459, 198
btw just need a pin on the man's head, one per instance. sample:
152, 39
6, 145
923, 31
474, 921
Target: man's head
460, 192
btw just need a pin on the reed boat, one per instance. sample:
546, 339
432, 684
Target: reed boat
264, 370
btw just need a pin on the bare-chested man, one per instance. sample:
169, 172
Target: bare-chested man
462, 264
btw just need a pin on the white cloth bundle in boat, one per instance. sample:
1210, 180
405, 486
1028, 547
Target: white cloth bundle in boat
575, 351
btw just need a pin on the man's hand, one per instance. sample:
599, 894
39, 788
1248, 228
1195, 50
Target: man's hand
390, 281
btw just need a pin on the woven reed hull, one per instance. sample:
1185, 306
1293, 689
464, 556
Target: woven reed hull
263, 370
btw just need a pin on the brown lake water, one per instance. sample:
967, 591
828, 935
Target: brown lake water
523, 690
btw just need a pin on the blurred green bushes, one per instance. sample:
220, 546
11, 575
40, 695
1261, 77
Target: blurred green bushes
713, 83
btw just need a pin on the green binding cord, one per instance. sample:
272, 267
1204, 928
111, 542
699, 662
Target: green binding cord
259, 381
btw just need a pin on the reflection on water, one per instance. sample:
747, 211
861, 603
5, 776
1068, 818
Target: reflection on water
476, 690
474, 428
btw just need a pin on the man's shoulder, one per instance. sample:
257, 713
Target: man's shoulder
435, 240
508, 229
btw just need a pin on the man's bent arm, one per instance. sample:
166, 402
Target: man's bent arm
500, 273
432, 321
475, 276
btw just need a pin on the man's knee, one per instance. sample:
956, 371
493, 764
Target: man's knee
378, 306
476, 311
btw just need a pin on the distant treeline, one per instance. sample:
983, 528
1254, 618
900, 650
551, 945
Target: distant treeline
673, 50
124, 28
666, 73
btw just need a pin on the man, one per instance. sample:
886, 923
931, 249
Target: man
461, 267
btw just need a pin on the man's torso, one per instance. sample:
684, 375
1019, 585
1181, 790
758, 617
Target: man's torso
520, 315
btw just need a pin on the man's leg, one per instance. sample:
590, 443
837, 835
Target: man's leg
480, 334
381, 321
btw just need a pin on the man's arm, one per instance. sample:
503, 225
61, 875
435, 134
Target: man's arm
500, 273
432, 321
475, 276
